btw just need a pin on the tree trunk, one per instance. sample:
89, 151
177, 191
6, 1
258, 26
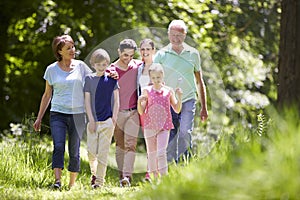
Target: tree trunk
289, 55
4, 23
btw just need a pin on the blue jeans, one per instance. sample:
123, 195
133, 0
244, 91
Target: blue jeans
61, 124
180, 140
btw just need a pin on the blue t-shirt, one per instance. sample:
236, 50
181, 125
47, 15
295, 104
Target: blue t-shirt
67, 87
101, 90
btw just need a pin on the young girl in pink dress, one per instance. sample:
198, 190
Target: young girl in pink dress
155, 103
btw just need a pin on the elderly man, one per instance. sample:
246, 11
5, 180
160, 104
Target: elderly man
182, 67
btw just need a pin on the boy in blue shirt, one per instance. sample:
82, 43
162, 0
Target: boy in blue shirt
100, 92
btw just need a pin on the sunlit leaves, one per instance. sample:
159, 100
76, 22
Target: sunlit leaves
18, 66
46, 11
21, 28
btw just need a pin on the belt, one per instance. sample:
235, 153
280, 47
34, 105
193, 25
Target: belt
130, 109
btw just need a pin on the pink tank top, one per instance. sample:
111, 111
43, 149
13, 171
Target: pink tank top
158, 114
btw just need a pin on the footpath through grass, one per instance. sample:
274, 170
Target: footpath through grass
258, 163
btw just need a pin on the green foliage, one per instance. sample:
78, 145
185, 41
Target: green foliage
243, 165
247, 70
238, 42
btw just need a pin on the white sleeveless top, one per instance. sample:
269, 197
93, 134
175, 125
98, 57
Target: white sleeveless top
144, 81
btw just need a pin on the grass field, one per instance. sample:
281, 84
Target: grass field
257, 163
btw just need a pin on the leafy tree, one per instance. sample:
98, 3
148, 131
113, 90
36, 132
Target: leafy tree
10, 11
238, 41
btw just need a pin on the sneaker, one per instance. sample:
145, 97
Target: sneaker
147, 177
95, 186
125, 182
93, 180
56, 185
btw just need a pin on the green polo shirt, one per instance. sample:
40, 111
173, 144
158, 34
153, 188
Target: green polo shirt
179, 69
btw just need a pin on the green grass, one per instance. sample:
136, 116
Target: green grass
242, 166
26, 173
258, 163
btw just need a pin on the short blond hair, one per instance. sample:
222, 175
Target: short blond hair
156, 67
98, 56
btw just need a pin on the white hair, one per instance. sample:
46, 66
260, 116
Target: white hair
178, 22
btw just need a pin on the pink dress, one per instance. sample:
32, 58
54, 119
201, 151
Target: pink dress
158, 114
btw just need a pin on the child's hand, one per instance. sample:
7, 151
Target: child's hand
92, 127
178, 92
142, 100
114, 121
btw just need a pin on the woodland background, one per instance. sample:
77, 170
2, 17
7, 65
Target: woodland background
239, 42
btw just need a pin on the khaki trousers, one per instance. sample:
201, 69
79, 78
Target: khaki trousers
98, 144
125, 135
